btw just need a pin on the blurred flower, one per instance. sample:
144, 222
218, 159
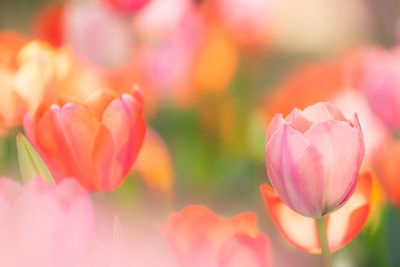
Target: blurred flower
59, 218
387, 168
162, 19
160, 176
251, 22
10, 44
218, 48
198, 237
341, 226
381, 84
48, 24
48, 76
127, 6
12, 106
99, 140
95, 31
305, 154
169, 33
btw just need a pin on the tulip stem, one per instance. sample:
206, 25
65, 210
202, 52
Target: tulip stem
323, 241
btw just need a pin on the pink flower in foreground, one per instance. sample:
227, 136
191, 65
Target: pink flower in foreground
44, 225
198, 237
313, 158
96, 143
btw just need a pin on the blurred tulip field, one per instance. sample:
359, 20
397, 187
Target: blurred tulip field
199, 133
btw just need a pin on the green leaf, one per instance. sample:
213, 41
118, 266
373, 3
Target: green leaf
30, 163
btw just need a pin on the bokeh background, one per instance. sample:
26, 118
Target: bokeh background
210, 71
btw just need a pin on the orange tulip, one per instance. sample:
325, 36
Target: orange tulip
341, 226
96, 143
198, 237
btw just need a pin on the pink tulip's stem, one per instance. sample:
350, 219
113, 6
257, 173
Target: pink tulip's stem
323, 241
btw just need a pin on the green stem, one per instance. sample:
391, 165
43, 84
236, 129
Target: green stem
323, 241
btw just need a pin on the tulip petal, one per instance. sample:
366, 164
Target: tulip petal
124, 112
344, 143
323, 111
276, 122
342, 225
295, 170
298, 121
45, 137
72, 130
102, 155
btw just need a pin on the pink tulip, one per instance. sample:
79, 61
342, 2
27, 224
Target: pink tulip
381, 84
44, 225
96, 143
313, 158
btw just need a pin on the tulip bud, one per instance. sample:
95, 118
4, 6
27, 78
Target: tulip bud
313, 158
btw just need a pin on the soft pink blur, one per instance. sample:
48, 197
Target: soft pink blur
313, 158
381, 84
198, 237
44, 225
97, 32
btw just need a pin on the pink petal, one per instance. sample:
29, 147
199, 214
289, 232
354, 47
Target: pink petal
124, 119
323, 111
296, 171
298, 121
342, 149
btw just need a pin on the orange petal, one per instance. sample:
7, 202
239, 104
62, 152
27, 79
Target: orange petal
342, 225
70, 129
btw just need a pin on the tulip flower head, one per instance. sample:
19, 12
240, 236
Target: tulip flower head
313, 158
99, 141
